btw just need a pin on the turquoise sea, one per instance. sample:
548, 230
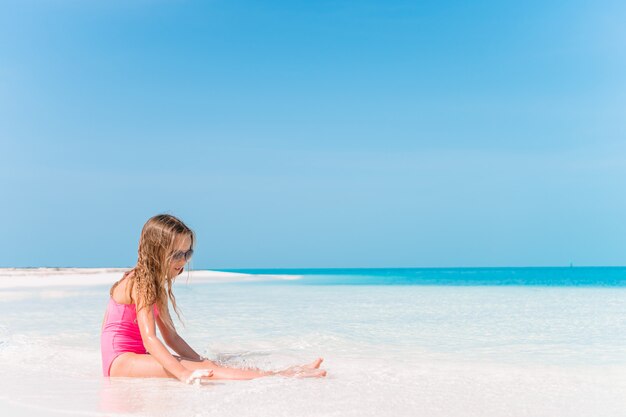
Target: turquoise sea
533, 276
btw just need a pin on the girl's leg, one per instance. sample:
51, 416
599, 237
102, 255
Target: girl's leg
222, 372
146, 366
313, 365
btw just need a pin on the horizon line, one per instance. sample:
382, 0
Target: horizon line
328, 268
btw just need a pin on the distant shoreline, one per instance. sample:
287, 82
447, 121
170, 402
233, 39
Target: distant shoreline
63, 277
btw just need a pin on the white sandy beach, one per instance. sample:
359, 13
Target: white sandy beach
390, 350
11, 278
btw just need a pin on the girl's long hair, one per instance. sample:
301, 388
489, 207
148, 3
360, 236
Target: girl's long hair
150, 277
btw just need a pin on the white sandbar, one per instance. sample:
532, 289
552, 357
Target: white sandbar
84, 277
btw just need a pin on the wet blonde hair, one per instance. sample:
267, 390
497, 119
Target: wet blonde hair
150, 277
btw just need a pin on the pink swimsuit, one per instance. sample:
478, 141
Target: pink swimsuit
120, 333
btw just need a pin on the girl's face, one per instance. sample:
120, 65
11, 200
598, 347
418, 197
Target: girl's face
182, 246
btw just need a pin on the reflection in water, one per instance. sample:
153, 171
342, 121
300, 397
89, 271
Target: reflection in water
118, 396
153, 396
132, 395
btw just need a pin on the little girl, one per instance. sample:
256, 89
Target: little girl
129, 344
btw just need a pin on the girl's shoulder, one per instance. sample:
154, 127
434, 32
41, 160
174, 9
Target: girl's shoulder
120, 291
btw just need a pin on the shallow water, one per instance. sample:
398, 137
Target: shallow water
389, 349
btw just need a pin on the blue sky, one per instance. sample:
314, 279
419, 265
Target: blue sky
315, 134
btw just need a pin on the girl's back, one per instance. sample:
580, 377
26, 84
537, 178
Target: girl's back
120, 331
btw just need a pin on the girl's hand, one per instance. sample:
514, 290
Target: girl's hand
197, 376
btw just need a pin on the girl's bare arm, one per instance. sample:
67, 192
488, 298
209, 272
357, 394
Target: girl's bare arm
145, 320
177, 343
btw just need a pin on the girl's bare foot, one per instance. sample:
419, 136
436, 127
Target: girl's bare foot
315, 364
310, 370
300, 372
312, 373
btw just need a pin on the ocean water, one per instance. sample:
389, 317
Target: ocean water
396, 342
532, 276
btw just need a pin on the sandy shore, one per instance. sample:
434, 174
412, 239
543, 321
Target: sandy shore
83, 277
